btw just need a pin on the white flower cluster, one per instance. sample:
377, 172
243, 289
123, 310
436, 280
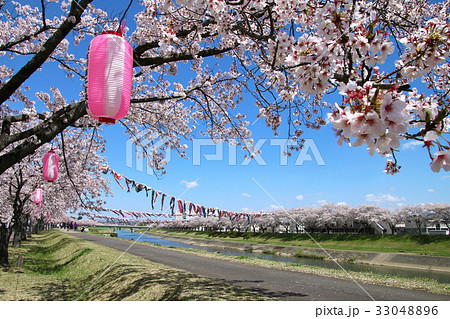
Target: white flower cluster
379, 128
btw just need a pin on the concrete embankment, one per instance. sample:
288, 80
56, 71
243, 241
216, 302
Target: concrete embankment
436, 263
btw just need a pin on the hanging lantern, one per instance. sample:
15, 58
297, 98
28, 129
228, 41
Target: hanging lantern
37, 196
109, 77
51, 161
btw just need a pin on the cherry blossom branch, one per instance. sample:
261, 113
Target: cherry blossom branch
8, 120
44, 133
61, 115
9, 45
68, 67
68, 172
50, 45
144, 148
160, 60
183, 33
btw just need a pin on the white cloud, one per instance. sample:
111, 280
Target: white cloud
380, 198
246, 195
189, 184
445, 177
411, 145
430, 190
300, 197
245, 209
341, 204
322, 202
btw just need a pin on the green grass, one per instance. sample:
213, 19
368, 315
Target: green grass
58, 266
415, 244
302, 254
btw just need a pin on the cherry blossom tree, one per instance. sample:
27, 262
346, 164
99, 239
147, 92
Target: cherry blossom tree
80, 183
311, 221
262, 223
442, 213
211, 223
236, 224
196, 223
346, 217
252, 223
391, 218
288, 55
330, 218
366, 215
418, 215
285, 222
298, 216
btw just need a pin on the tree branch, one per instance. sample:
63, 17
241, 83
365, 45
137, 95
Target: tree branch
49, 46
140, 49
9, 45
158, 60
44, 132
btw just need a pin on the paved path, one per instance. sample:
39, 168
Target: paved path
281, 284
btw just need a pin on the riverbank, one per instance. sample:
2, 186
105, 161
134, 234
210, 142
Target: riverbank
403, 260
286, 280
54, 265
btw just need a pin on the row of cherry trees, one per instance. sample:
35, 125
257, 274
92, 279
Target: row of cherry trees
327, 218
80, 183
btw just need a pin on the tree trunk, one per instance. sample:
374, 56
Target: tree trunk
37, 225
418, 226
18, 231
4, 243
25, 228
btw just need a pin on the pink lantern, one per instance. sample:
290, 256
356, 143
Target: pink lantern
51, 161
109, 77
37, 196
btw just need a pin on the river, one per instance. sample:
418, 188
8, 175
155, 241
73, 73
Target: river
439, 276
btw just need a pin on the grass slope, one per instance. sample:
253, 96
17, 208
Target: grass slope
57, 266
416, 244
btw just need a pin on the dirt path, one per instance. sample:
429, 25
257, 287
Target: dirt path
285, 285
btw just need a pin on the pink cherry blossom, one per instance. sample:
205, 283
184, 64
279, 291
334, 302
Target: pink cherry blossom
374, 126
441, 160
393, 109
287, 55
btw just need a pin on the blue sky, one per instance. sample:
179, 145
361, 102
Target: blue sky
348, 175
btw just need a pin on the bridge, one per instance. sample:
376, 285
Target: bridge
120, 227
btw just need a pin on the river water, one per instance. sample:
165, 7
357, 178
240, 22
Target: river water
439, 276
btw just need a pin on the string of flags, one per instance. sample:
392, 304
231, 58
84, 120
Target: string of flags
125, 213
132, 214
177, 207
119, 220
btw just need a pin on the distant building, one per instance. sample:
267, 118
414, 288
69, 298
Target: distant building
430, 229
